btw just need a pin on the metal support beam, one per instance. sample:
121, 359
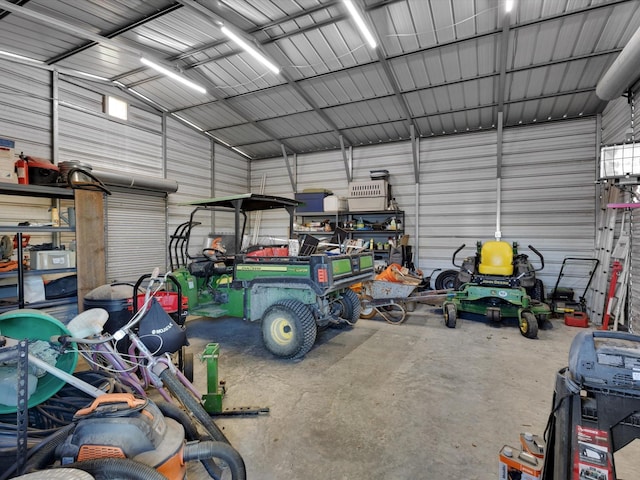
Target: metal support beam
292, 177
346, 158
55, 116
415, 153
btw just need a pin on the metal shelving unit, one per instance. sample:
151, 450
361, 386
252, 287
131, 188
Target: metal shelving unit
20, 231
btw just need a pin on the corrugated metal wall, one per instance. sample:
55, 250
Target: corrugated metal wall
616, 121
135, 221
548, 189
25, 100
189, 162
547, 200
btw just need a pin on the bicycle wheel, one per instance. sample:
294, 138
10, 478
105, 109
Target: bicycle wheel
192, 405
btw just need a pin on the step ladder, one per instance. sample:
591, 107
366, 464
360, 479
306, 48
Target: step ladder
604, 248
622, 254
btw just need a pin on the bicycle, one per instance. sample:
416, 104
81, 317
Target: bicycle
147, 362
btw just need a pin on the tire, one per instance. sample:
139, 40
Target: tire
187, 364
288, 329
192, 405
446, 280
350, 307
537, 291
450, 315
367, 310
528, 325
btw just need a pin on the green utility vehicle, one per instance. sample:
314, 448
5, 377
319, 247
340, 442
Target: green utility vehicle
292, 295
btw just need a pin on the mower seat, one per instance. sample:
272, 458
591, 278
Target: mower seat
496, 258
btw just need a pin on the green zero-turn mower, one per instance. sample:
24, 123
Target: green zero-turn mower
498, 282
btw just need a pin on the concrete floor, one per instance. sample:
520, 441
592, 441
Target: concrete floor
381, 401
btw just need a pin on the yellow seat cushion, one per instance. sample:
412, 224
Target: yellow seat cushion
496, 258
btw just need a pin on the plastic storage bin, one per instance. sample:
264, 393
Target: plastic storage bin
313, 202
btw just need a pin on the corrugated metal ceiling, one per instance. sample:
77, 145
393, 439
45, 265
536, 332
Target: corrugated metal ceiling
436, 71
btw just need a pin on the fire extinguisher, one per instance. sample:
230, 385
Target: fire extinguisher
22, 169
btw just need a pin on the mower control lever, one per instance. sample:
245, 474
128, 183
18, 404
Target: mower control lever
453, 259
534, 250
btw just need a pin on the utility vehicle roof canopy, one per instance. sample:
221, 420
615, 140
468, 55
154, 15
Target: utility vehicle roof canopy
247, 202
241, 204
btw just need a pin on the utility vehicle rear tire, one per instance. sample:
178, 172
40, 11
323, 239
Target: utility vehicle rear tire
288, 329
528, 325
367, 310
450, 315
446, 280
350, 307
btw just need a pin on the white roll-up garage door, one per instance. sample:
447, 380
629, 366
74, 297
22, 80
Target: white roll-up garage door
136, 235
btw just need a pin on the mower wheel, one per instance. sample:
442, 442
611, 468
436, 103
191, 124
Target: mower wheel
493, 314
528, 325
446, 280
450, 315
537, 291
288, 329
367, 310
350, 307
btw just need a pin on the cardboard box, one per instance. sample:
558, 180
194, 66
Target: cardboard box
8, 176
514, 463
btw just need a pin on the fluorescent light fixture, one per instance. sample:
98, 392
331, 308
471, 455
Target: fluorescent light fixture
114, 107
250, 50
175, 76
19, 57
508, 6
360, 23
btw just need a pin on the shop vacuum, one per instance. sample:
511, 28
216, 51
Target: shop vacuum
121, 426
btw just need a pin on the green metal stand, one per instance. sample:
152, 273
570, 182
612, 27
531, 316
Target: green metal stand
212, 400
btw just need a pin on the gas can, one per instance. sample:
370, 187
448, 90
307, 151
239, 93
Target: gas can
534, 444
515, 463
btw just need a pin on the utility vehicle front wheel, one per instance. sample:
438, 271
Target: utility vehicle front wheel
288, 329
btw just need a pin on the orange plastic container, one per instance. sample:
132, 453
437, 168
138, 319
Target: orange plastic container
576, 319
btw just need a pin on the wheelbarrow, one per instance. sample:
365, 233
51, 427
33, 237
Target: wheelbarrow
392, 300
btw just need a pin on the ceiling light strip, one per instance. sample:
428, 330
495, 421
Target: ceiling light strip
355, 14
179, 78
250, 50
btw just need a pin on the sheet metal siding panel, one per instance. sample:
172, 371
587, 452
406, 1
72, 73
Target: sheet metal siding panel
616, 120
25, 108
136, 239
276, 182
90, 136
189, 159
547, 193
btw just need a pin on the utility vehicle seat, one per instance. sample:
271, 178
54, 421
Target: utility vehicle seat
496, 258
